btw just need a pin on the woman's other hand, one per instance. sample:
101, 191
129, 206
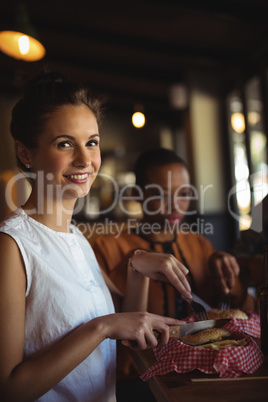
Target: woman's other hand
224, 269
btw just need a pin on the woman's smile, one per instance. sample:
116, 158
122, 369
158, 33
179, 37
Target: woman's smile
175, 219
78, 177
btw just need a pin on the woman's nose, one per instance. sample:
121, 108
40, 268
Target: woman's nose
178, 205
82, 158
173, 202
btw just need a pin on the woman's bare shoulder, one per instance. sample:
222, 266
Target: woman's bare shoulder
7, 241
10, 255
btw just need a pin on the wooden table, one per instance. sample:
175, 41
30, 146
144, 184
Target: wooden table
199, 387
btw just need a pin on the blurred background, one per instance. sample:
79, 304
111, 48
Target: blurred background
196, 70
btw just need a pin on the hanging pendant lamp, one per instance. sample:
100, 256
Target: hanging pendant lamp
138, 117
20, 41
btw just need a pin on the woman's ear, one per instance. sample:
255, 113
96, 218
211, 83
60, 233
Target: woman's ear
23, 154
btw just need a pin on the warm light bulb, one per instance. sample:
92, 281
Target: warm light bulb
24, 44
138, 119
21, 46
238, 122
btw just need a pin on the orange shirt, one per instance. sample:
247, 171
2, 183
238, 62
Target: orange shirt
112, 254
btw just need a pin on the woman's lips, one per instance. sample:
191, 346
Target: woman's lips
78, 178
174, 219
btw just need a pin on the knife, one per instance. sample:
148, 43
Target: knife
177, 331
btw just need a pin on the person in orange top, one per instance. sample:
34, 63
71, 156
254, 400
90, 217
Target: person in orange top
163, 188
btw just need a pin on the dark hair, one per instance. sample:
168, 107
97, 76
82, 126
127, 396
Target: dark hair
154, 158
43, 95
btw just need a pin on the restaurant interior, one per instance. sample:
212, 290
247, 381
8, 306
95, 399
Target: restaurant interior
198, 73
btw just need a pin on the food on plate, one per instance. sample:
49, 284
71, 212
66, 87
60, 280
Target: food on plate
213, 338
236, 313
205, 336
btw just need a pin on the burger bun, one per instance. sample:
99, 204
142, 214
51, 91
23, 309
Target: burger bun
236, 313
208, 335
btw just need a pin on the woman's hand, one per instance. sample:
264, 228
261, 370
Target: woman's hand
224, 270
163, 267
137, 328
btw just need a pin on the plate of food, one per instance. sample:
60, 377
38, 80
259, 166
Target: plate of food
227, 350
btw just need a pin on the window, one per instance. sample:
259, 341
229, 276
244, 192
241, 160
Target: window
248, 145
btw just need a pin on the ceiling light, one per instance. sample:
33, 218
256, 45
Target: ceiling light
20, 40
138, 119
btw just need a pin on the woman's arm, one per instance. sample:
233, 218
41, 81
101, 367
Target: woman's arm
24, 380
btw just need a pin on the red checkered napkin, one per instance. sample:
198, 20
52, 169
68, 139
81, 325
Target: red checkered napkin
251, 326
228, 362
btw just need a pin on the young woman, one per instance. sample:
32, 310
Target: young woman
57, 320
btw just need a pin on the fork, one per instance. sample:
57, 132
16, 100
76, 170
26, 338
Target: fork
224, 302
198, 310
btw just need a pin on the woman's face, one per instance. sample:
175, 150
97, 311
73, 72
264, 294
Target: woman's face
67, 158
166, 194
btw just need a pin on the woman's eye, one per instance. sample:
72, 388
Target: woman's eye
64, 144
185, 194
93, 143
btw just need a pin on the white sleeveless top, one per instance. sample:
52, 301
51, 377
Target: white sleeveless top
65, 288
